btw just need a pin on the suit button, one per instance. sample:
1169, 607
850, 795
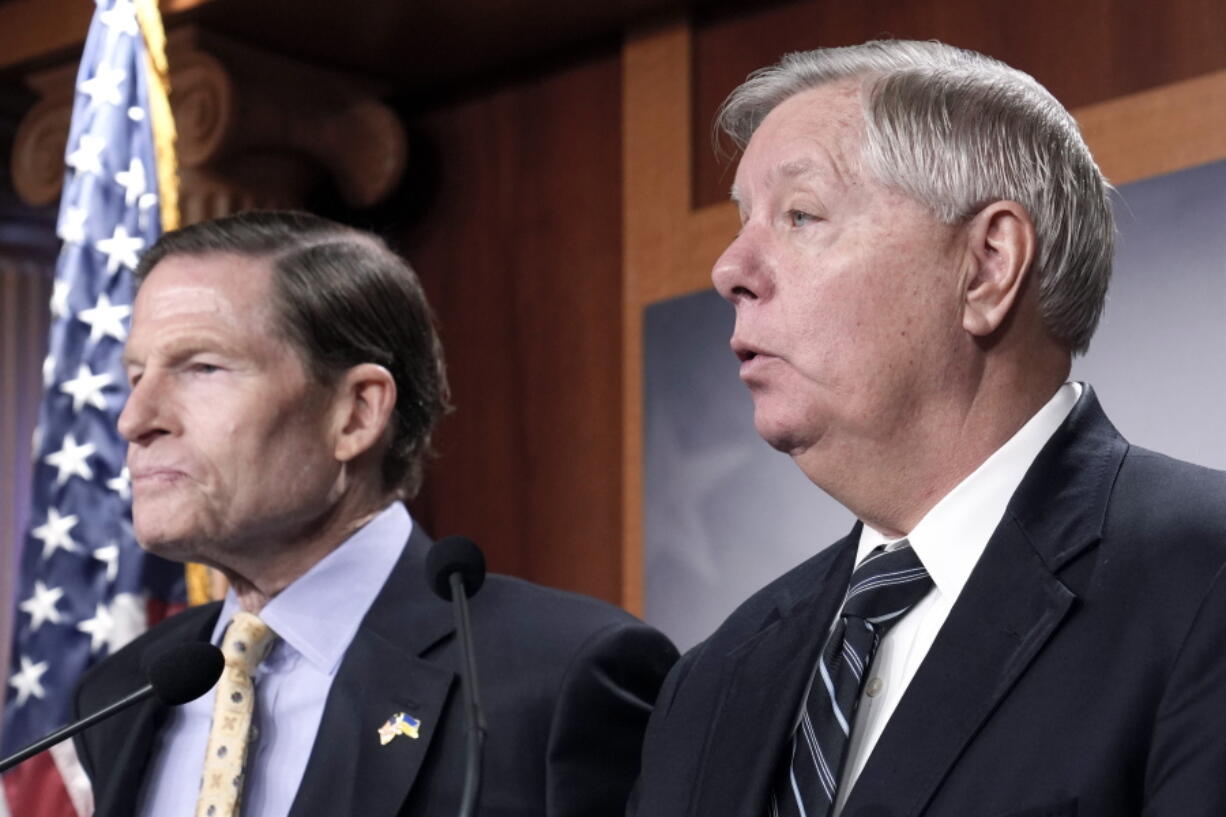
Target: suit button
874, 687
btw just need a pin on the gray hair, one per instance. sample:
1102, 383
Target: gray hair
957, 130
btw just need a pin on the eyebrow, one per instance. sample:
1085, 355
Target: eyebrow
791, 169
183, 349
794, 168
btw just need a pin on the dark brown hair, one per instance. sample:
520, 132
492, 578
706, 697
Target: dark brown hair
342, 299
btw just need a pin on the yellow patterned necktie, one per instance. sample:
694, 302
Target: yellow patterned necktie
245, 644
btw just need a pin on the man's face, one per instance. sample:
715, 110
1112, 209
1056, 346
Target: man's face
847, 294
229, 437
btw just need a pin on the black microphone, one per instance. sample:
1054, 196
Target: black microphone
455, 569
177, 675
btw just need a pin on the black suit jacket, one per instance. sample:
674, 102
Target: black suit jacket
567, 685
1082, 671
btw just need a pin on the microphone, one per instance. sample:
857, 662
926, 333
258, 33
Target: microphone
458, 556
177, 675
455, 569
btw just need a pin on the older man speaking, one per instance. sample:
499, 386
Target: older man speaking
1027, 618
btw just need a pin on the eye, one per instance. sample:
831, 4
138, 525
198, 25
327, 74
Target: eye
199, 367
799, 218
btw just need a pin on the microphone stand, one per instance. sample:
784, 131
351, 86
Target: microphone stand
474, 717
72, 728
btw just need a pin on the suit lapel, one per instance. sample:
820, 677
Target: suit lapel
1011, 606
128, 739
118, 786
350, 770
1008, 610
763, 681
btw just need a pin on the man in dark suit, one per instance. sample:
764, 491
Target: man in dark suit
286, 378
1027, 619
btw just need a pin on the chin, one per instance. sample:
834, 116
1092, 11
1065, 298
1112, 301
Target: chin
785, 441
167, 541
783, 433
165, 548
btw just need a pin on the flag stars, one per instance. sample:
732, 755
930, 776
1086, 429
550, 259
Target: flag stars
41, 605
72, 225
100, 628
106, 319
120, 19
87, 158
104, 85
86, 388
28, 680
109, 556
120, 249
133, 181
59, 298
48, 370
109, 197
122, 484
55, 533
70, 460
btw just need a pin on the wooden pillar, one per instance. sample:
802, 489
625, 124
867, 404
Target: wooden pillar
256, 130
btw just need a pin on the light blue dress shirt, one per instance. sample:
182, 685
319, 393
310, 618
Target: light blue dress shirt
315, 619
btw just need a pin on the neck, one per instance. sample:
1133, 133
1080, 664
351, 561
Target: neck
268, 568
890, 484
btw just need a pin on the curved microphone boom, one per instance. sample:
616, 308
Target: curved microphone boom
455, 569
178, 675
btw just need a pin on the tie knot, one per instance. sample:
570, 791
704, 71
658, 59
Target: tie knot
886, 585
246, 641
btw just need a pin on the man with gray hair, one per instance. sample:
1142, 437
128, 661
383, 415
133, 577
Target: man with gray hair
1027, 618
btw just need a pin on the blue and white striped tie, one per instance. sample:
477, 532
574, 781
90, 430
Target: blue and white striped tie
883, 588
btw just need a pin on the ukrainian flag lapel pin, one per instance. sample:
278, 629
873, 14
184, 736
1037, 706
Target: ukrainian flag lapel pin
396, 725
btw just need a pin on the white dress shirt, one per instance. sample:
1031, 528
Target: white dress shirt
315, 619
948, 541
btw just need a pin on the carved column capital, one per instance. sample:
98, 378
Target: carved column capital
255, 129
38, 146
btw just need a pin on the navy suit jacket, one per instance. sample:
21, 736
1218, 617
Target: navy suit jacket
1082, 671
567, 684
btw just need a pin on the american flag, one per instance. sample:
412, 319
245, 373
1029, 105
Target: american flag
85, 588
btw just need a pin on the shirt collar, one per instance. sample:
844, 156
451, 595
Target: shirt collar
954, 533
318, 615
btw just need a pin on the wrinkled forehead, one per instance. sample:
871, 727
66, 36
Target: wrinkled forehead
224, 275
224, 286
818, 132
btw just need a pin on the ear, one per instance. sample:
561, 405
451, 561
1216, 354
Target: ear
1001, 244
365, 399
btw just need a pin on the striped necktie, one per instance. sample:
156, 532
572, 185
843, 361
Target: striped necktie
244, 646
884, 586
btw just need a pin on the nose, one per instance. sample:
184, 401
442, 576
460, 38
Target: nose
140, 419
741, 274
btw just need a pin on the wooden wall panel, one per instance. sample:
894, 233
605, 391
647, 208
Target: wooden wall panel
1085, 52
520, 253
